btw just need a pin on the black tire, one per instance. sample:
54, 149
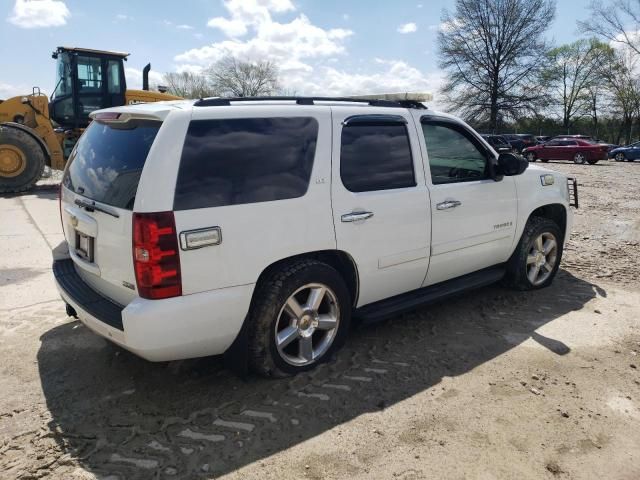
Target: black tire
592, 161
580, 158
516, 276
269, 299
546, 160
18, 143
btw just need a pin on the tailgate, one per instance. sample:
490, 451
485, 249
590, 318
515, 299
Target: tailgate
97, 197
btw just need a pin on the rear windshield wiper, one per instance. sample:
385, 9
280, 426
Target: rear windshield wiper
90, 207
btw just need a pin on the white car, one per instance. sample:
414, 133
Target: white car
260, 227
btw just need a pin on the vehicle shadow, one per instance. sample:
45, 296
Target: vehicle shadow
121, 416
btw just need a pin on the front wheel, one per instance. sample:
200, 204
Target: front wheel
21, 160
300, 316
580, 158
620, 157
531, 157
536, 260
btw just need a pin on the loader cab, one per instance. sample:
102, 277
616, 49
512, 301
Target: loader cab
86, 80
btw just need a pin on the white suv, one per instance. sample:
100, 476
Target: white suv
259, 227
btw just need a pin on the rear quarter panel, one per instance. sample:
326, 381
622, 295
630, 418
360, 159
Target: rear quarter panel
255, 235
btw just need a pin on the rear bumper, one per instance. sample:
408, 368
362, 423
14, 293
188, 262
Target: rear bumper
189, 326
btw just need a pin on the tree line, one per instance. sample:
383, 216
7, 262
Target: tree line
501, 74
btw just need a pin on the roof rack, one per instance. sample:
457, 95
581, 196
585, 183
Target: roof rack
221, 101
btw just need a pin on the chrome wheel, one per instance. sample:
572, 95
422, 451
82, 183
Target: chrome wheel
307, 324
620, 157
580, 158
542, 258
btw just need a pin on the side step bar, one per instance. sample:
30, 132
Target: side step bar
390, 307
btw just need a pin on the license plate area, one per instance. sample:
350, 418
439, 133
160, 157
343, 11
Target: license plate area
84, 246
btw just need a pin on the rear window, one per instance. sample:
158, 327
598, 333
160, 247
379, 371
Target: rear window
245, 160
107, 162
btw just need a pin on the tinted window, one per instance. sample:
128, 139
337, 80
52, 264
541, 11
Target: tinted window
553, 143
247, 160
376, 157
454, 156
108, 159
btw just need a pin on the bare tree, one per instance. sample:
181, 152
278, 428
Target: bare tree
492, 51
188, 85
236, 78
571, 74
617, 21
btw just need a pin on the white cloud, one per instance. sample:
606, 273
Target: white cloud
123, 17
7, 90
408, 28
345, 17
311, 59
281, 42
248, 13
39, 13
184, 26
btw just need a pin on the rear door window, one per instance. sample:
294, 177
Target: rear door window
376, 156
245, 160
107, 161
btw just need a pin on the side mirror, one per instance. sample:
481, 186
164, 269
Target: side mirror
510, 164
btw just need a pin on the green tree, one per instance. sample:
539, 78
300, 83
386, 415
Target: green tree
571, 76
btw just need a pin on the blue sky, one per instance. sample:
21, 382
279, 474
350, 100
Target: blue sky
323, 47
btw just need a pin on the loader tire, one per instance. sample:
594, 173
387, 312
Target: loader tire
21, 160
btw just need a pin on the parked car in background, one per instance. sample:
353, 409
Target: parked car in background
628, 153
498, 142
516, 142
520, 141
540, 139
586, 138
578, 150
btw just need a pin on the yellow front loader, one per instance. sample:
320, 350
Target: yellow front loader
36, 131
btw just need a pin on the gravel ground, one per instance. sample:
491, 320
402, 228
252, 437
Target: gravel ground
495, 384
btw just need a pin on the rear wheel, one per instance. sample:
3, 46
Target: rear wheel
299, 317
21, 160
592, 162
580, 158
620, 157
531, 157
536, 260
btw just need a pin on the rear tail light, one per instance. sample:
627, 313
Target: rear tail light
156, 257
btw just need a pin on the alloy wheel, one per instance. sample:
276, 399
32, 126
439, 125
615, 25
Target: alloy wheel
531, 157
542, 258
307, 324
620, 157
579, 158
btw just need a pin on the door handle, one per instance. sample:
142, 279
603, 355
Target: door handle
447, 204
356, 216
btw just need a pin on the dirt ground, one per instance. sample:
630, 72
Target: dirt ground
495, 384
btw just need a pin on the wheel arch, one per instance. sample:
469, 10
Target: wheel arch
555, 212
338, 259
31, 132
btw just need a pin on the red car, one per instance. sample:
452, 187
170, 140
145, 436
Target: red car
575, 149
